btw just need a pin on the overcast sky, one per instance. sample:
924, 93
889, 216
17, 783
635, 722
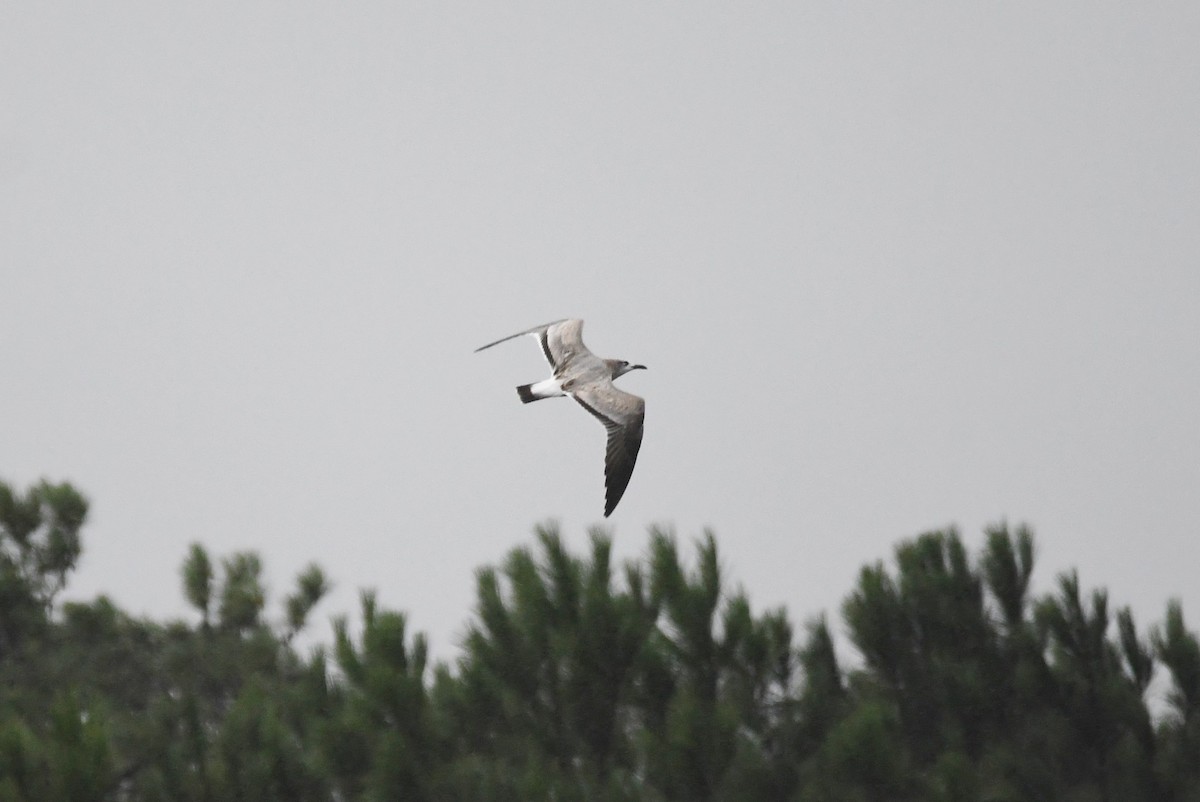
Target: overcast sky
892, 267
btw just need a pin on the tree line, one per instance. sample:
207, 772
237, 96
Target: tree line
582, 679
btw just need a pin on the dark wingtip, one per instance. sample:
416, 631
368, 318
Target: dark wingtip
525, 394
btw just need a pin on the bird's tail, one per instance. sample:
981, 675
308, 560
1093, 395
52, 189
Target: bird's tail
548, 388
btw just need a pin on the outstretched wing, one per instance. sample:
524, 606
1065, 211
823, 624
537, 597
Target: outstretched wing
561, 341
622, 415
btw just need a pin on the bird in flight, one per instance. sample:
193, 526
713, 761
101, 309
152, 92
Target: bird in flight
588, 379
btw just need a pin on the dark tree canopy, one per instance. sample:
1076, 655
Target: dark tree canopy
581, 679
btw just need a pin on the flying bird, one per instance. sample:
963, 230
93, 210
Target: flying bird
588, 379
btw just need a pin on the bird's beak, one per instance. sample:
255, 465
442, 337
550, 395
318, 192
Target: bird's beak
637, 367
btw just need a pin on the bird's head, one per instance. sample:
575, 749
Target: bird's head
620, 367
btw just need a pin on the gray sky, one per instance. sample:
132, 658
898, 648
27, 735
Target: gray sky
891, 267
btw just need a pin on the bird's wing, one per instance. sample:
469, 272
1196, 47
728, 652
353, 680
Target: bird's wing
622, 415
561, 341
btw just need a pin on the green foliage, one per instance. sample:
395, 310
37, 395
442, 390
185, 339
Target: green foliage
861, 751
259, 757
39, 546
928, 636
70, 761
1180, 651
550, 667
311, 587
379, 740
242, 594
23, 763
1179, 735
717, 680
198, 579
1008, 566
583, 680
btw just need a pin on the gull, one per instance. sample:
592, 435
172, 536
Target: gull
588, 379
